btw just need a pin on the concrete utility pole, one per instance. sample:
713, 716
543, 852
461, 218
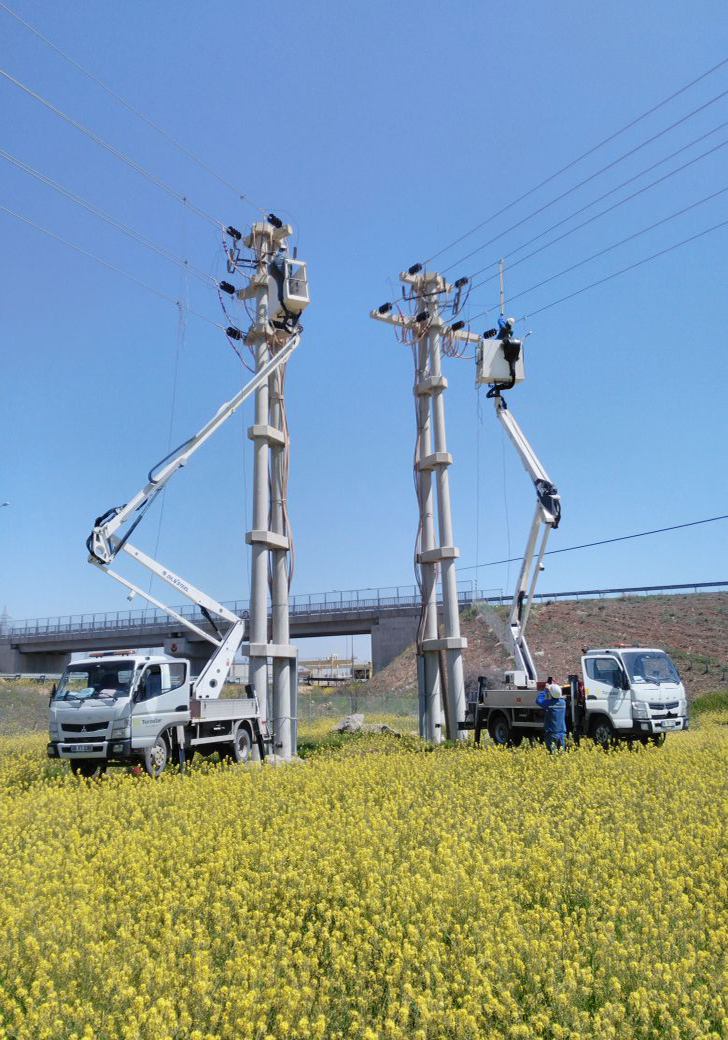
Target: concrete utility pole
437, 690
268, 537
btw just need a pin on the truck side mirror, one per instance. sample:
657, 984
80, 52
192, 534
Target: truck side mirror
626, 685
54, 688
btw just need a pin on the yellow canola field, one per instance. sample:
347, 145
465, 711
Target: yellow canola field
459, 893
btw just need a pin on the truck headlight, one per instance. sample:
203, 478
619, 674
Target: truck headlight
119, 728
639, 710
54, 731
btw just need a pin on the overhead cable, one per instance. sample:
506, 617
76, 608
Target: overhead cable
586, 180
111, 267
162, 251
114, 151
580, 158
603, 541
609, 248
609, 209
616, 274
135, 111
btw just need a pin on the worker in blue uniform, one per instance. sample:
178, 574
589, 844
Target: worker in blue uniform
554, 715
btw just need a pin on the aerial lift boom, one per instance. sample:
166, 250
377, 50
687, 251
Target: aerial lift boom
500, 365
104, 543
546, 519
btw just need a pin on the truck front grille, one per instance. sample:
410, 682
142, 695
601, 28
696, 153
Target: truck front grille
90, 727
664, 707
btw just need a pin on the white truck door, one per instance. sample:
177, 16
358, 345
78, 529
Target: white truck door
161, 700
603, 690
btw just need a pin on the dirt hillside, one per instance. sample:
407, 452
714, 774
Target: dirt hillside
693, 629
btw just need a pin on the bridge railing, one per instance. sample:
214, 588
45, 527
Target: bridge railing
393, 597
338, 601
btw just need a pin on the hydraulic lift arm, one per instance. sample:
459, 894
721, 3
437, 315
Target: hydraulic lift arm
104, 544
547, 515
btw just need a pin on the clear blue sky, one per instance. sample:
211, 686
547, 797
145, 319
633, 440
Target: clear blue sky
383, 131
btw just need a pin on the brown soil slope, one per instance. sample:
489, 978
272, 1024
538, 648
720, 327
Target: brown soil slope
693, 630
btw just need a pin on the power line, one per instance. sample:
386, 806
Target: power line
111, 267
131, 232
614, 245
581, 157
600, 198
615, 274
122, 101
114, 151
603, 541
586, 180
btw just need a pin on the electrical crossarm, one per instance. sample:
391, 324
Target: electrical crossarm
104, 544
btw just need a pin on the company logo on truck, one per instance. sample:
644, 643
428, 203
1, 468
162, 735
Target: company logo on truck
174, 580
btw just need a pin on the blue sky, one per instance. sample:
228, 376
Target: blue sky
383, 132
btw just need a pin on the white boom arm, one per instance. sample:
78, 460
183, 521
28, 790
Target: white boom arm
548, 515
103, 544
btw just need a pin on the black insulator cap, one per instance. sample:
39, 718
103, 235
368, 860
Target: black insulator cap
461, 282
234, 233
227, 287
233, 333
422, 316
274, 220
457, 325
384, 309
414, 269
490, 333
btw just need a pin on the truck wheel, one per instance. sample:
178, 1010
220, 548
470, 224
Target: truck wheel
87, 767
602, 732
499, 729
156, 757
242, 745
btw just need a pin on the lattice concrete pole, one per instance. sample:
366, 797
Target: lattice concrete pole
452, 642
282, 693
260, 239
432, 729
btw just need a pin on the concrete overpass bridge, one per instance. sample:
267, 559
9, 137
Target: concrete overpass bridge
389, 615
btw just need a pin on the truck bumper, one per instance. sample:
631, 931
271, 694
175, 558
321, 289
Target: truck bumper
108, 749
654, 727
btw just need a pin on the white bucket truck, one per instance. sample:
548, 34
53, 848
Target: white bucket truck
127, 708
117, 707
623, 693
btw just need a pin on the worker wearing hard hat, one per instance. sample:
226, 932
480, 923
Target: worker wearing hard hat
551, 699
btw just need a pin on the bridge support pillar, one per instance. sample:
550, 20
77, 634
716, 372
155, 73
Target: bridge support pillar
197, 653
390, 637
15, 661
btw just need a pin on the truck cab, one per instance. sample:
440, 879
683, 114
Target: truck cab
632, 692
113, 707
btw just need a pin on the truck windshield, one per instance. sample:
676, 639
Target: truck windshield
102, 681
650, 666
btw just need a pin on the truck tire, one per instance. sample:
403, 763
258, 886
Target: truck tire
157, 756
242, 746
87, 767
500, 730
602, 731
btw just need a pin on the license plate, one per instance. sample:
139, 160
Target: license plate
81, 749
